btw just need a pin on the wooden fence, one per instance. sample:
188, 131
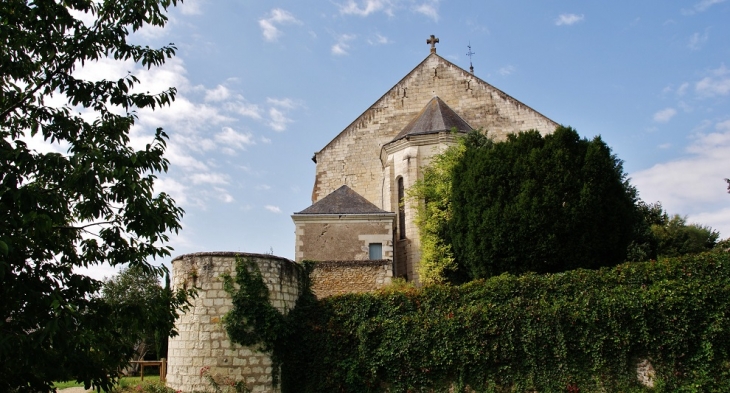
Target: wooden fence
162, 363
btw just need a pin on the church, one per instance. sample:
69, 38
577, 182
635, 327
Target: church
360, 227
359, 210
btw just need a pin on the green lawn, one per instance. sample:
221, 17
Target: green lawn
123, 382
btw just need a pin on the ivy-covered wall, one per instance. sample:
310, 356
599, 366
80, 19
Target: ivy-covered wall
576, 331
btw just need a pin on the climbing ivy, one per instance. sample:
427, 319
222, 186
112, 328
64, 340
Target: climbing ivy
582, 330
253, 321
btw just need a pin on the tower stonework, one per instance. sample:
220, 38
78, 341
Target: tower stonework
202, 341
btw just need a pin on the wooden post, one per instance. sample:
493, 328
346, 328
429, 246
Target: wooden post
163, 370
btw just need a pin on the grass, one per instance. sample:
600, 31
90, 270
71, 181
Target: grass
123, 382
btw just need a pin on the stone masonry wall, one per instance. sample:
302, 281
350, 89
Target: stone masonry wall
202, 341
340, 277
352, 157
345, 239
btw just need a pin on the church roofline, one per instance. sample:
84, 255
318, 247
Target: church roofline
501, 93
437, 114
342, 201
342, 216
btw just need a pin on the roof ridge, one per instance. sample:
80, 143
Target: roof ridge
436, 116
343, 200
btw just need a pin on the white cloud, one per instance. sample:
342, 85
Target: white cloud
723, 126
697, 40
340, 48
351, 7
379, 39
244, 109
208, 178
682, 89
287, 103
264, 139
716, 85
279, 17
507, 70
179, 156
191, 7
694, 184
430, 9
263, 187
278, 120
568, 19
229, 137
220, 93
664, 115
223, 195
273, 209
174, 188
705, 4
719, 220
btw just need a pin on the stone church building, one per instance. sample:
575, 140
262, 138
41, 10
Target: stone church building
360, 227
359, 208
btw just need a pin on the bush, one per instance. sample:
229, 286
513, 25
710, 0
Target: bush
581, 330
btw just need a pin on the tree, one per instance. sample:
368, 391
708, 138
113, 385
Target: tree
542, 204
675, 237
432, 196
662, 235
645, 244
93, 204
134, 291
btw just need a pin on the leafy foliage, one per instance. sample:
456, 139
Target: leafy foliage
93, 204
540, 204
581, 330
137, 296
675, 237
432, 195
253, 321
663, 235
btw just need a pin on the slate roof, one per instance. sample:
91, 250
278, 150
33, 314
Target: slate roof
435, 117
343, 201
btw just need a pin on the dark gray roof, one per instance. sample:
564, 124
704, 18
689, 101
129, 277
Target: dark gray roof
343, 201
435, 117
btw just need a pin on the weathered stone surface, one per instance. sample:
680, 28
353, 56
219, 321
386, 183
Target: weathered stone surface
366, 158
342, 237
202, 341
340, 277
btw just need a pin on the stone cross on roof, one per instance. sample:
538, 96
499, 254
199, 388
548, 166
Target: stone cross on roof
433, 41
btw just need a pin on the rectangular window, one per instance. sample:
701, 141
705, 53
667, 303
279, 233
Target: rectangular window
376, 251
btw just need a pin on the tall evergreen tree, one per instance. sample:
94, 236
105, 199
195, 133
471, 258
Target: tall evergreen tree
541, 204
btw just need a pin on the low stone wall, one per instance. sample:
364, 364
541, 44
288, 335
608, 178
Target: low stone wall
202, 341
338, 277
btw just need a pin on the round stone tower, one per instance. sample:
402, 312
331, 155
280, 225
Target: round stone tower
202, 343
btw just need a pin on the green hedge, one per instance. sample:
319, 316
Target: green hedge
581, 331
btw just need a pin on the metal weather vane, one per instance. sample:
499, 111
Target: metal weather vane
470, 53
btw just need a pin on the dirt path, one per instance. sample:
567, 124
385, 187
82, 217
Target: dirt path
72, 390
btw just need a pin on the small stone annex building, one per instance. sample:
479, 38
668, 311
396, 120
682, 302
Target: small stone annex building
360, 210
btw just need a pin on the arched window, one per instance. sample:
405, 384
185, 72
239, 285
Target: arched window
401, 210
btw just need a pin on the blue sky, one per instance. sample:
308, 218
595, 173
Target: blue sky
263, 85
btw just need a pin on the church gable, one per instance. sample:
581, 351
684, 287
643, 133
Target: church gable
352, 157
